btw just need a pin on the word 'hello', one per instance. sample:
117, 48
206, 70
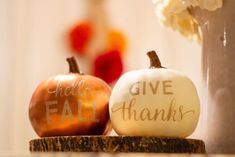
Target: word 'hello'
139, 88
67, 112
69, 90
173, 113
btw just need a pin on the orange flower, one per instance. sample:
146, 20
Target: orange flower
116, 41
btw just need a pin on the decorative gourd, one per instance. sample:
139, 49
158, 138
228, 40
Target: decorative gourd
71, 104
154, 102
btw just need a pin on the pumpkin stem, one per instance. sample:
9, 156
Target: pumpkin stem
73, 66
154, 60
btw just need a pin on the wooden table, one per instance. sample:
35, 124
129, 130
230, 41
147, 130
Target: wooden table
117, 144
111, 155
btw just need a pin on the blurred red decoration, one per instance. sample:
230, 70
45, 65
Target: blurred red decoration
80, 36
108, 66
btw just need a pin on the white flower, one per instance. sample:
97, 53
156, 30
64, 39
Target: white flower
175, 13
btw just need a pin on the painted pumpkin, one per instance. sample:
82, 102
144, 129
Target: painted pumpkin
154, 102
71, 104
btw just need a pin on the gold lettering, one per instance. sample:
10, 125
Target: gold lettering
167, 84
172, 113
157, 113
130, 111
134, 89
144, 88
80, 117
49, 110
67, 91
66, 113
154, 89
94, 119
145, 114
73, 88
60, 90
183, 114
122, 108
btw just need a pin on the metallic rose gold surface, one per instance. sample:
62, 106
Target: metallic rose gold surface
71, 104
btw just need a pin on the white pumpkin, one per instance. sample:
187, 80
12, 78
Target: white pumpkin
154, 102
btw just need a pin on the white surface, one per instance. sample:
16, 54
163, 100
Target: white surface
33, 47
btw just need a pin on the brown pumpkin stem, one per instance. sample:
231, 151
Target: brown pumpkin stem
73, 66
154, 60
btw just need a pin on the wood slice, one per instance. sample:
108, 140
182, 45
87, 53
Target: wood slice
116, 144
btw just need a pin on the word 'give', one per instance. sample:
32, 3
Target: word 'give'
141, 88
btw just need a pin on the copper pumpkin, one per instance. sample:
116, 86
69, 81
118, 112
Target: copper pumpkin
70, 104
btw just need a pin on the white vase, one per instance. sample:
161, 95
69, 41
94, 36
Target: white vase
218, 45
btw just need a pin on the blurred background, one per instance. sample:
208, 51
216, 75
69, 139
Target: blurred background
34, 43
